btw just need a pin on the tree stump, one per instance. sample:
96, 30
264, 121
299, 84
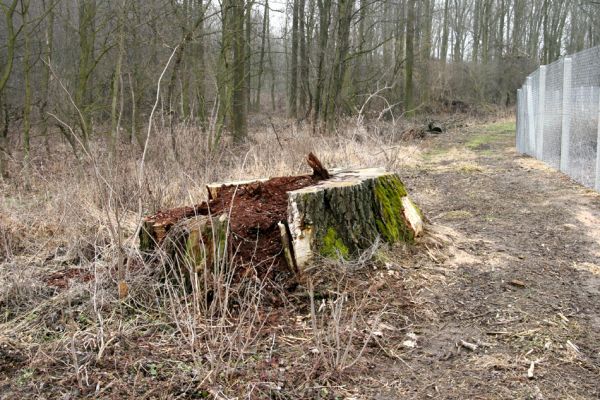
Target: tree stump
337, 217
341, 216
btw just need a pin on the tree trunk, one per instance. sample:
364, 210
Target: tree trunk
117, 79
339, 65
248, 55
261, 61
87, 64
410, 59
293, 96
425, 52
48, 49
5, 72
324, 20
304, 95
200, 67
239, 106
445, 34
27, 84
271, 69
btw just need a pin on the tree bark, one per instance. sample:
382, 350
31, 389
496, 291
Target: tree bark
261, 61
304, 95
27, 84
445, 34
410, 59
87, 64
324, 20
345, 215
117, 79
48, 55
293, 94
239, 106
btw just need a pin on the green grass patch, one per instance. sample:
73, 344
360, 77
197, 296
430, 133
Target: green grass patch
480, 142
456, 215
434, 153
491, 133
505, 127
470, 168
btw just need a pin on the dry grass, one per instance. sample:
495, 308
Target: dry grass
65, 224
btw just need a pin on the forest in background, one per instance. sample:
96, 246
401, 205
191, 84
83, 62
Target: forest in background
100, 68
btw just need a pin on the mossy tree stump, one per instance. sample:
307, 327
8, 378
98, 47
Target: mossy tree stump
345, 214
337, 217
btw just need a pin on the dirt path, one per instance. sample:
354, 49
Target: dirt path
522, 282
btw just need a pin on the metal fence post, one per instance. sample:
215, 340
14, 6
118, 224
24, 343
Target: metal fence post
530, 118
519, 136
597, 172
540, 117
565, 139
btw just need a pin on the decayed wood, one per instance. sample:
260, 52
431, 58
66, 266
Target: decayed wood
200, 242
155, 227
288, 251
214, 189
319, 170
192, 242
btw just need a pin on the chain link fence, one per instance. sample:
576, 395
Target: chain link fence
558, 120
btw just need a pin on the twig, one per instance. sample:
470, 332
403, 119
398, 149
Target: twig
276, 134
468, 345
530, 370
76, 361
145, 151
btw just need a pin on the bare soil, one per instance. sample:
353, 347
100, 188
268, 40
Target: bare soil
520, 279
507, 276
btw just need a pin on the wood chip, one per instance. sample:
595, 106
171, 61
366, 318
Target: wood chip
468, 345
530, 370
562, 316
517, 283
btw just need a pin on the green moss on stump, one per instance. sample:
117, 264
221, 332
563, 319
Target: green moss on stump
392, 224
333, 246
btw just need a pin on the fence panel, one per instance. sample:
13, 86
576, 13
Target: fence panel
558, 121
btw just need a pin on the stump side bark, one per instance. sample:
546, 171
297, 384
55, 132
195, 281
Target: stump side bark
344, 215
201, 242
193, 244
